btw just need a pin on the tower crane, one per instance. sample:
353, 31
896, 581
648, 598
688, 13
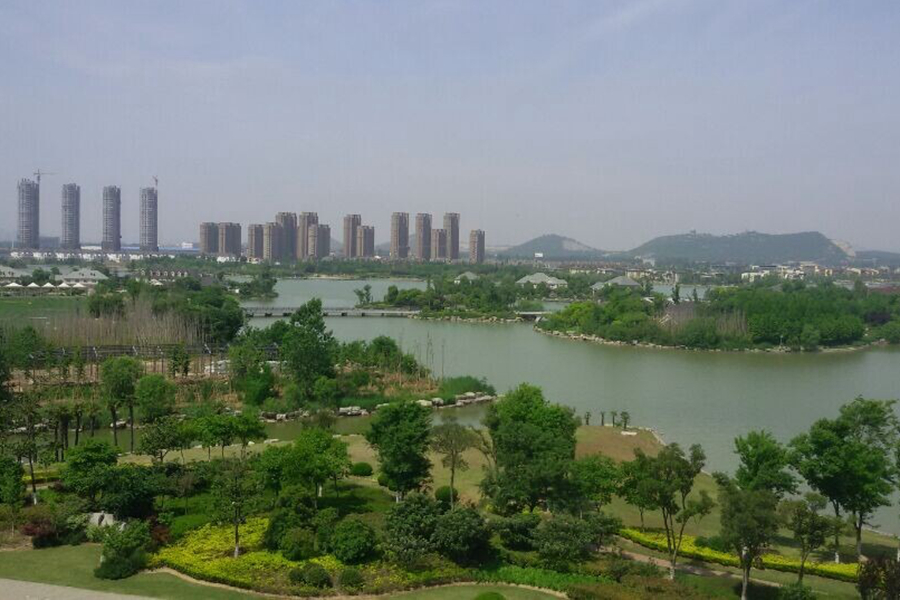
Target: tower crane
38, 173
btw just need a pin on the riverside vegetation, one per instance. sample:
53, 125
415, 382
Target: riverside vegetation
309, 518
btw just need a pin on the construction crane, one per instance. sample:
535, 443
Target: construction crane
38, 173
156, 182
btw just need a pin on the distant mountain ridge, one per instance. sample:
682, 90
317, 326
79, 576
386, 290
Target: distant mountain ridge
553, 247
750, 247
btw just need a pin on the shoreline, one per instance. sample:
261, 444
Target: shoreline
583, 337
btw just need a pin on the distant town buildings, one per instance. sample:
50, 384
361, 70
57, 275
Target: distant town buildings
399, 236
209, 239
451, 225
438, 244
288, 223
70, 238
319, 242
149, 233
351, 224
228, 240
476, 246
29, 231
255, 239
423, 236
365, 242
306, 220
272, 242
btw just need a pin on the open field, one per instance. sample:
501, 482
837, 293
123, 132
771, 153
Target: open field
38, 307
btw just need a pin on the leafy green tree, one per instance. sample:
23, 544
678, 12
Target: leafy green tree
636, 485
353, 541
272, 465
669, 487
462, 535
155, 397
809, 527
317, 456
308, 350
534, 445
88, 468
12, 487
247, 428
235, 492
124, 550
764, 464
595, 480
749, 523
130, 491
849, 460
409, 529
118, 378
451, 440
160, 437
625, 417
563, 540
400, 433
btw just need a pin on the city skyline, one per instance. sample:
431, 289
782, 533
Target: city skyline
611, 123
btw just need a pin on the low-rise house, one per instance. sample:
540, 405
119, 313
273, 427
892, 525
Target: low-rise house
551, 282
86, 277
620, 281
8, 274
468, 275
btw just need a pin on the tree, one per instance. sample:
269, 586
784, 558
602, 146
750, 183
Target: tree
317, 456
534, 445
635, 484
810, 528
595, 479
849, 461
118, 377
247, 428
625, 416
161, 437
400, 433
879, 579
563, 540
12, 487
462, 535
88, 468
668, 487
235, 490
409, 528
353, 541
308, 348
764, 464
130, 491
155, 397
451, 440
749, 523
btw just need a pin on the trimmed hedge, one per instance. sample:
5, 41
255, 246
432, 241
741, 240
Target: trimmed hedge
776, 562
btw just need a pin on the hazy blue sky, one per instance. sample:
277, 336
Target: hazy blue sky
609, 121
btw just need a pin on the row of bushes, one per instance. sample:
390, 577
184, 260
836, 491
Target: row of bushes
776, 562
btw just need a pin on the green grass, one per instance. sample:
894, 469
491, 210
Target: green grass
454, 386
74, 566
35, 307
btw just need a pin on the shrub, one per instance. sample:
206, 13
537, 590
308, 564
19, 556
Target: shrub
461, 535
443, 496
361, 469
124, 551
298, 543
353, 541
713, 542
796, 591
314, 575
324, 523
562, 540
409, 527
55, 524
517, 532
351, 579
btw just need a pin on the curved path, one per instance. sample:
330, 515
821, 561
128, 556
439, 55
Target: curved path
11, 589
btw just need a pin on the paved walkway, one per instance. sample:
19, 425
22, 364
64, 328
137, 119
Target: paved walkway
27, 590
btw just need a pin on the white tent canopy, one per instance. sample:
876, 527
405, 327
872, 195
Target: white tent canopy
32, 285
49, 286
14, 285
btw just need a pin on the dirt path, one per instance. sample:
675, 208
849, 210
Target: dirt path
11, 589
690, 569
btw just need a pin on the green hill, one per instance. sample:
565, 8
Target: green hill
553, 247
743, 248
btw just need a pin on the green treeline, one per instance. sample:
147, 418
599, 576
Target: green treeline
791, 314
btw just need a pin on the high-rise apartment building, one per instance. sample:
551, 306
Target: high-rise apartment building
399, 236
476, 246
255, 238
365, 241
229, 239
304, 222
70, 238
272, 242
438, 244
351, 225
319, 241
28, 235
149, 238
112, 219
451, 224
423, 236
209, 239
288, 222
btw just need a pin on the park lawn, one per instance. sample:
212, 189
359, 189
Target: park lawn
73, 566
36, 307
469, 592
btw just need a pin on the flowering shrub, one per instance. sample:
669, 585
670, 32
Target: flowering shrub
776, 562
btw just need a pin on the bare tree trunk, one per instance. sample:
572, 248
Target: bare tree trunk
115, 429
34, 498
452, 480
745, 580
837, 534
131, 423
